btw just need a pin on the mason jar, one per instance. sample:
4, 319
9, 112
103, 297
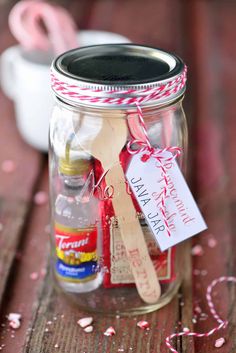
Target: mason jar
112, 104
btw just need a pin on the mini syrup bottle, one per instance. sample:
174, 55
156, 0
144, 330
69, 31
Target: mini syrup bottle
76, 231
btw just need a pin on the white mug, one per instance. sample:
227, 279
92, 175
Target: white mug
25, 78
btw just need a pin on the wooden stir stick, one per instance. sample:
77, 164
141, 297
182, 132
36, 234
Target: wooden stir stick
106, 147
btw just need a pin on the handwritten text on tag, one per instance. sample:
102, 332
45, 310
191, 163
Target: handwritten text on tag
146, 180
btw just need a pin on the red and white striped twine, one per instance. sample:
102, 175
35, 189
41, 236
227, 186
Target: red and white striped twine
129, 96
222, 323
159, 155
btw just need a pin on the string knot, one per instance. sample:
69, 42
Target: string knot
146, 156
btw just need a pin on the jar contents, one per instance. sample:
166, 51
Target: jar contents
110, 106
113, 133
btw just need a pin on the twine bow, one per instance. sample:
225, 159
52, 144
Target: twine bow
145, 148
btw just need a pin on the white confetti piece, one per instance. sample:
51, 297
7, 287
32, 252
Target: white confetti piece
8, 166
85, 321
14, 324
40, 198
88, 329
143, 324
212, 243
186, 329
219, 342
14, 316
34, 276
197, 250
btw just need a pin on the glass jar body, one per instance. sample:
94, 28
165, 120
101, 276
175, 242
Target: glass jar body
89, 259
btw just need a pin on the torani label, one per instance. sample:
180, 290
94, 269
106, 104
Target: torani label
76, 253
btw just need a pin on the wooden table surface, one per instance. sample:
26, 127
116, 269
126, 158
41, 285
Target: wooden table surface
203, 33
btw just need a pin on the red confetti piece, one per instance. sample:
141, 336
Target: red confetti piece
40, 198
143, 324
110, 331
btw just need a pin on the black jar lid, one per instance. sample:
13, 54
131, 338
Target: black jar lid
111, 68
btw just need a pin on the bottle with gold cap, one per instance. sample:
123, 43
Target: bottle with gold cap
77, 235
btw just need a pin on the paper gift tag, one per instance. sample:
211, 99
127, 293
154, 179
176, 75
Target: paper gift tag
147, 182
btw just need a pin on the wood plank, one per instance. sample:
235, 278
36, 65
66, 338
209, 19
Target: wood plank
51, 305
15, 188
21, 228
32, 255
213, 52
65, 333
186, 299
18, 185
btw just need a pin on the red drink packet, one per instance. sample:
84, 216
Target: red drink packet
117, 269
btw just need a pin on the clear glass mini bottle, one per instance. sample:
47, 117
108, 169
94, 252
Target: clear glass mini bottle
111, 101
76, 226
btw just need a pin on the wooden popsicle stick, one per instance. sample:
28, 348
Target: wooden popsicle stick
141, 265
106, 147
